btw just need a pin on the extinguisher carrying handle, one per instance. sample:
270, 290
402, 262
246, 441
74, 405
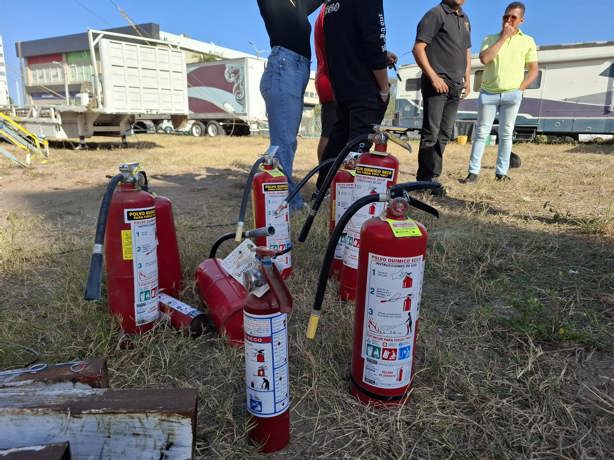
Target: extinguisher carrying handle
330, 253
257, 232
93, 288
301, 184
326, 184
403, 190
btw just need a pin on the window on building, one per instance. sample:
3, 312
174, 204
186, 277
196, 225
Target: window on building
477, 80
412, 84
537, 82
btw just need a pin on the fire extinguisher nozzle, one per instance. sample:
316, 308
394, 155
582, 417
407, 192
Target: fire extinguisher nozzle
312, 327
93, 287
239, 232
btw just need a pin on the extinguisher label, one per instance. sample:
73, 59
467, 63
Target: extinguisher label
404, 228
274, 195
266, 364
369, 180
274, 172
392, 306
343, 199
243, 259
144, 263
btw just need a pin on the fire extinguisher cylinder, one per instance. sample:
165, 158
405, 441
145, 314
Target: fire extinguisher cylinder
394, 192
93, 288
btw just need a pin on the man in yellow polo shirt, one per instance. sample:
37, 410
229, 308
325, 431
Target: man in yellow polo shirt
505, 55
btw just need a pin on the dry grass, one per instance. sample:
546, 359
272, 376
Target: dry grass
515, 356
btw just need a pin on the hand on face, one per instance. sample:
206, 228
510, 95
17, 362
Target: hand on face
511, 21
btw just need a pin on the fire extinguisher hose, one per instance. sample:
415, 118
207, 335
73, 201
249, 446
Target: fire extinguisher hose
263, 231
246, 191
326, 184
301, 184
93, 288
330, 253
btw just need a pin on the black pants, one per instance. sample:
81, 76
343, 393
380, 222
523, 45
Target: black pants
437, 126
353, 119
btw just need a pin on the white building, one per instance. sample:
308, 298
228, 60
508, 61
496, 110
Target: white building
4, 87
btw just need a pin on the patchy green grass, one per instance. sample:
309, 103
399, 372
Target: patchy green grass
514, 356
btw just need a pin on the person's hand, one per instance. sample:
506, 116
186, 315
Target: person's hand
466, 90
508, 31
392, 58
439, 84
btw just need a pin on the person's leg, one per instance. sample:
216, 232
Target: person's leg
282, 87
508, 109
446, 127
487, 109
328, 117
433, 105
337, 139
364, 114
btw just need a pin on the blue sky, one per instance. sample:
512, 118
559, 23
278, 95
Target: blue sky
234, 23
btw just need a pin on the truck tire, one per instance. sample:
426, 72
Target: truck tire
215, 129
197, 129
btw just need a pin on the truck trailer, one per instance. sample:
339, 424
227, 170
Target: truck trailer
572, 95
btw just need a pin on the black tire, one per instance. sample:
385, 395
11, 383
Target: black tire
215, 129
197, 129
168, 130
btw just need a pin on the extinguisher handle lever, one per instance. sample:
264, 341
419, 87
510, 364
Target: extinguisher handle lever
422, 206
399, 190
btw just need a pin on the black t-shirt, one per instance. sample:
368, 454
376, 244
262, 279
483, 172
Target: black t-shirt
448, 36
355, 38
287, 24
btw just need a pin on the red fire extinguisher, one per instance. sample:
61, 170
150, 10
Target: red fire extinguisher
375, 173
342, 189
181, 316
126, 229
379, 136
266, 355
384, 332
269, 187
223, 295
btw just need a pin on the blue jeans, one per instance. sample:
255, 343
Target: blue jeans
507, 104
283, 87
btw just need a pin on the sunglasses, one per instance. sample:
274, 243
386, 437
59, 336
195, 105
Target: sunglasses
510, 16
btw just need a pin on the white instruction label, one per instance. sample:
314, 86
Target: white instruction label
178, 305
372, 180
392, 306
274, 195
343, 200
243, 259
144, 263
266, 364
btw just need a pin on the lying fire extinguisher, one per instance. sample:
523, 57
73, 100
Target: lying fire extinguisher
375, 173
385, 331
342, 188
269, 186
126, 231
266, 355
223, 295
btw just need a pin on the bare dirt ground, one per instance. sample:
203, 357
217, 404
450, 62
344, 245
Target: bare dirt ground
515, 356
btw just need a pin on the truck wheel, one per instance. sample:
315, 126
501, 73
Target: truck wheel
215, 129
168, 130
197, 129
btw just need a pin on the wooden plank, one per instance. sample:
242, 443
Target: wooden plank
102, 423
44, 452
91, 373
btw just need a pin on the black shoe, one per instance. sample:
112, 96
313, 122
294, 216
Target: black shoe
470, 179
515, 161
502, 178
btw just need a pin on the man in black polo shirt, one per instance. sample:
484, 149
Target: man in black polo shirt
443, 52
355, 39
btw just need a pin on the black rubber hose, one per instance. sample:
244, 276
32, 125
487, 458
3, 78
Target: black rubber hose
303, 181
93, 288
334, 239
326, 184
246, 192
263, 231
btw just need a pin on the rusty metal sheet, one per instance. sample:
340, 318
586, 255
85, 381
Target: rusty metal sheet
91, 373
